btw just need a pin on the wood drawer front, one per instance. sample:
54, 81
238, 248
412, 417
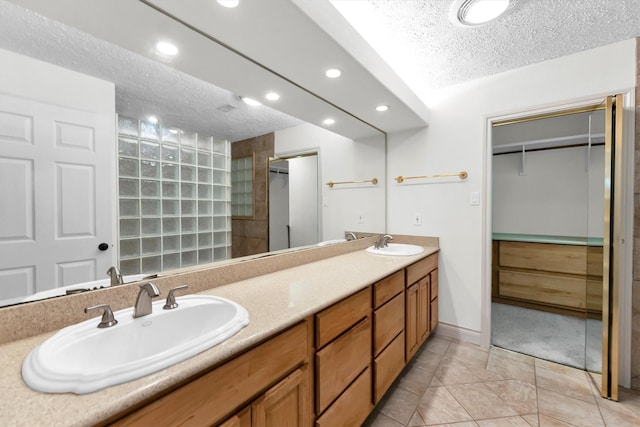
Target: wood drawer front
353, 407
569, 259
339, 363
434, 284
568, 291
433, 314
387, 288
388, 321
387, 366
336, 319
215, 395
421, 268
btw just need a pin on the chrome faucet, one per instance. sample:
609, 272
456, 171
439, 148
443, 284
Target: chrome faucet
143, 302
116, 276
350, 235
382, 242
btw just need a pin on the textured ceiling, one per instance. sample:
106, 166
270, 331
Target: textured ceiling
429, 52
143, 87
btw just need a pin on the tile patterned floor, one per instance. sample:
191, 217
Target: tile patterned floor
450, 383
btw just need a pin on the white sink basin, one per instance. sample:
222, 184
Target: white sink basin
331, 242
397, 249
82, 358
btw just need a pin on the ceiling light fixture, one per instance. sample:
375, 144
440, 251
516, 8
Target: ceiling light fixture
250, 101
382, 108
152, 119
166, 48
328, 122
333, 73
272, 96
229, 3
476, 12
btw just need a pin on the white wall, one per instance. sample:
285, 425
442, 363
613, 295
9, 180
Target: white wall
342, 159
303, 201
457, 140
278, 211
557, 196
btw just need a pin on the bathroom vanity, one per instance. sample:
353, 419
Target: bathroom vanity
326, 339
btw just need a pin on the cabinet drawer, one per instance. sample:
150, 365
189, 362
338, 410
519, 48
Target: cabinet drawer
336, 319
569, 259
340, 362
387, 288
387, 366
548, 288
388, 321
421, 268
215, 395
434, 284
353, 407
433, 314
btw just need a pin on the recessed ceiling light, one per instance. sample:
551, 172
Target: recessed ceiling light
250, 101
476, 12
229, 3
152, 119
328, 122
272, 96
166, 48
382, 108
333, 73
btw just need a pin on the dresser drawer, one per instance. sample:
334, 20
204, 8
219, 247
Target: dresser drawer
387, 288
421, 268
353, 407
336, 319
340, 362
387, 366
388, 321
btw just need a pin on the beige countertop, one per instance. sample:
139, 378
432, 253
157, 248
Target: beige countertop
274, 301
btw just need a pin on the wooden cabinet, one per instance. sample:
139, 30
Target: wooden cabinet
419, 305
554, 277
343, 355
388, 332
285, 404
241, 419
215, 396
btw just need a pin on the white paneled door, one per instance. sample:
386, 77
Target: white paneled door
55, 196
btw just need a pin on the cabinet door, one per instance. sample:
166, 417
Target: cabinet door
287, 404
423, 310
241, 419
411, 325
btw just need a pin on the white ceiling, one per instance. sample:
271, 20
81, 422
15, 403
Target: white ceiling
429, 52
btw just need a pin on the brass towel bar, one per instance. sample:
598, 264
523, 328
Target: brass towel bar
461, 175
374, 181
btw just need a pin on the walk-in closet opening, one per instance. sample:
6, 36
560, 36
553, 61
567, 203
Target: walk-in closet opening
552, 218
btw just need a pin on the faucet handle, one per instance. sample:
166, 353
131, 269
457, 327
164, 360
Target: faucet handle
107, 316
171, 299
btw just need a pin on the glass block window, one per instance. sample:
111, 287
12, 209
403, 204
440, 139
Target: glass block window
242, 187
174, 194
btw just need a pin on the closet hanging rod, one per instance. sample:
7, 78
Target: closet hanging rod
373, 181
461, 175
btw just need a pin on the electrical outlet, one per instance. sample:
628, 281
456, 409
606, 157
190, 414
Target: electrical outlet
360, 218
417, 218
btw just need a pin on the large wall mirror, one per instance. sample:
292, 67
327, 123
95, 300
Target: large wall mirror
151, 111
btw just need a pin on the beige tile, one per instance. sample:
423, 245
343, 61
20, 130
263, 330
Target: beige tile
480, 401
376, 419
427, 360
415, 379
625, 412
547, 421
511, 369
462, 424
532, 419
438, 406
568, 409
468, 354
416, 421
435, 382
561, 369
577, 386
452, 371
399, 404
518, 357
519, 395
437, 344
504, 422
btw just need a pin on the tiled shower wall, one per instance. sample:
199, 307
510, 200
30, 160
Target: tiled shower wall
635, 319
174, 195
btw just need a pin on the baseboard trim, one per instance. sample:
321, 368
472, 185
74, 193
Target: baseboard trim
459, 333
